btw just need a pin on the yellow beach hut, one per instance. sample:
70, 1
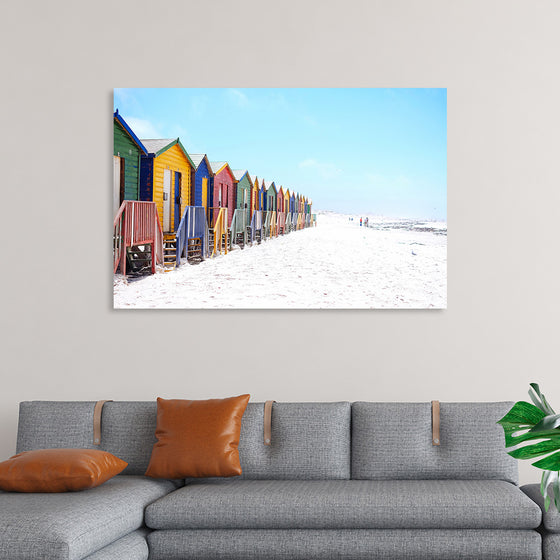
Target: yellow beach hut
165, 178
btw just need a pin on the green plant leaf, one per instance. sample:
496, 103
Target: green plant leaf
535, 450
539, 399
547, 478
549, 422
512, 440
537, 427
550, 463
556, 490
522, 414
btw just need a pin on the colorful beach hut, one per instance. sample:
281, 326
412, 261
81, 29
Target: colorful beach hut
242, 213
262, 197
244, 188
165, 178
127, 150
203, 181
280, 200
224, 188
255, 196
270, 220
288, 226
280, 214
271, 196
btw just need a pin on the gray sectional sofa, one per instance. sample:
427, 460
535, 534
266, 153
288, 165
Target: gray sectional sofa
339, 480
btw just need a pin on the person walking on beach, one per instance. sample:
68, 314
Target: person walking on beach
360, 222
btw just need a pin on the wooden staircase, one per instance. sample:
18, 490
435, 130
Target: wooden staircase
139, 260
239, 239
194, 250
169, 251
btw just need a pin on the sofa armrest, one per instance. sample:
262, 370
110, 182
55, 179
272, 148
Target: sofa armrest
550, 527
551, 518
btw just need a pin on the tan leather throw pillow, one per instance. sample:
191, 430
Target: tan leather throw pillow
58, 470
197, 438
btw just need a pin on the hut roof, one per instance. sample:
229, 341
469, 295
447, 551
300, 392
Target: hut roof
159, 145
154, 146
239, 173
128, 130
197, 159
217, 165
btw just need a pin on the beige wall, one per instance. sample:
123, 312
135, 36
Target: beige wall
60, 339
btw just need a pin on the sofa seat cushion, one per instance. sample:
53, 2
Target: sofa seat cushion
345, 504
551, 546
73, 525
133, 546
346, 544
551, 518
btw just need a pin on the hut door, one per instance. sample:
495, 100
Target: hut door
177, 199
205, 192
118, 184
166, 200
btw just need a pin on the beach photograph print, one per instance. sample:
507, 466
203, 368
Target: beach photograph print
283, 198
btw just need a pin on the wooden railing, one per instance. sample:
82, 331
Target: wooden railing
239, 225
273, 226
136, 223
256, 224
266, 224
220, 230
193, 226
281, 223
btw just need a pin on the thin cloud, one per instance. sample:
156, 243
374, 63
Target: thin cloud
309, 120
238, 97
325, 170
143, 128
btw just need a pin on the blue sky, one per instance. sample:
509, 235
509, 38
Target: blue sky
362, 151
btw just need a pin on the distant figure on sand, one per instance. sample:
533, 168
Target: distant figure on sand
360, 222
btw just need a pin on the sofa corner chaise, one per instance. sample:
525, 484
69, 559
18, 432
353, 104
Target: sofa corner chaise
339, 480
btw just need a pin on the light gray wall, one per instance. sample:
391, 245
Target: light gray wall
60, 339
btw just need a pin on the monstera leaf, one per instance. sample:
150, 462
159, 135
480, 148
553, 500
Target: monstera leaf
533, 430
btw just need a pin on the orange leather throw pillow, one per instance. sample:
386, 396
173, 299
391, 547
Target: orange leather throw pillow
197, 438
58, 470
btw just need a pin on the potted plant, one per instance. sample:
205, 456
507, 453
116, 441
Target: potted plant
534, 431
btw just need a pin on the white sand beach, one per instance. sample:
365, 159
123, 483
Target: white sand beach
337, 264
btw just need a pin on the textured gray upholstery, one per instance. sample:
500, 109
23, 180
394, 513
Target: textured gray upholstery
349, 504
310, 441
239, 544
128, 431
551, 518
71, 525
54, 424
127, 428
410, 500
131, 547
394, 441
551, 546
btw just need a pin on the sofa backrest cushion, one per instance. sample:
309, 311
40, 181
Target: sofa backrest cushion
127, 428
309, 440
394, 441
